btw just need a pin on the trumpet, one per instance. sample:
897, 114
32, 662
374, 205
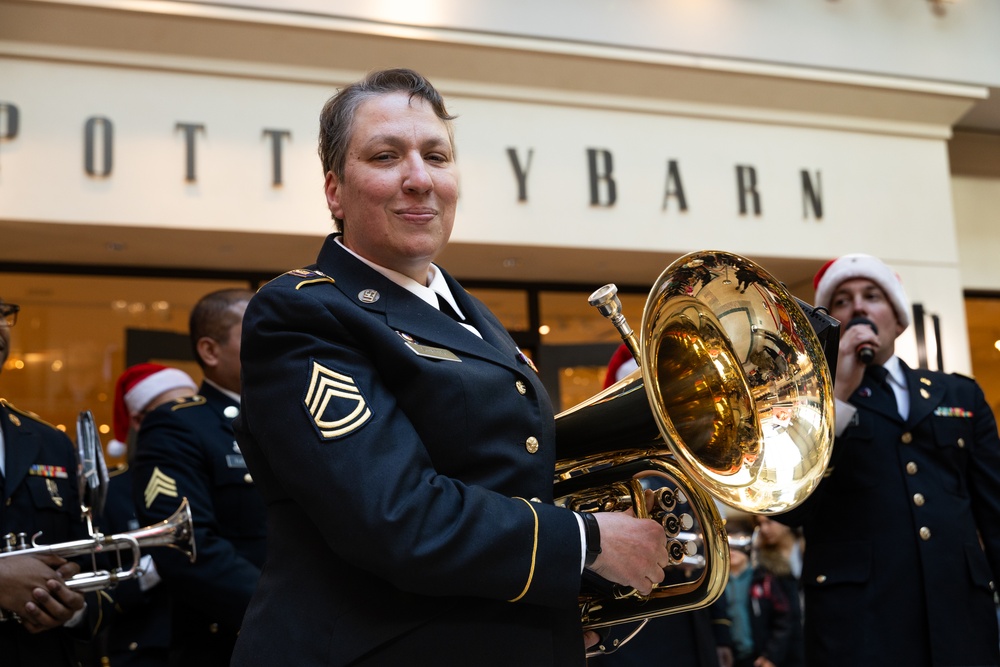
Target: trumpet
175, 531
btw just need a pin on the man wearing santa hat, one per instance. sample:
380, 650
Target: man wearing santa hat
140, 389
186, 449
139, 632
903, 533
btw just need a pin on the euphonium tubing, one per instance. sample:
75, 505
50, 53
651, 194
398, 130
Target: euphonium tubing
733, 399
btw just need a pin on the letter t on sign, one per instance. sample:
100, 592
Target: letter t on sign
189, 130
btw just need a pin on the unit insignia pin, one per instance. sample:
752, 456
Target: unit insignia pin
50, 484
368, 296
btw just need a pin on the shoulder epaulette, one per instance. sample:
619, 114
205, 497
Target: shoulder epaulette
117, 470
309, 277
24, 413
188, 402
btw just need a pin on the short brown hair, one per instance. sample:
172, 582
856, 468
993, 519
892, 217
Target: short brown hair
336, 120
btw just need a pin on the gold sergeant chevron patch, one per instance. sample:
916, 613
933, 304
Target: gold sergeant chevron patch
159, 483
335, 403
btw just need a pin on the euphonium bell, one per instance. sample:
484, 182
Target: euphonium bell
732, 401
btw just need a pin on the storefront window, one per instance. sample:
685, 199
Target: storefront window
983, 316
72, 338
577, 342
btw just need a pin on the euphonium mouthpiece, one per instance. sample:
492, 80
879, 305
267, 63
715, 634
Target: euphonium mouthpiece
606, 300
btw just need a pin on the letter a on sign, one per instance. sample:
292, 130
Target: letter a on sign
335, 403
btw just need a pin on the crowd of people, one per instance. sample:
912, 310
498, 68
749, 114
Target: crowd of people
369, 466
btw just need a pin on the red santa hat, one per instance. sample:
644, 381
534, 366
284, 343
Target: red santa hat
136, 387
622, 363
858, 265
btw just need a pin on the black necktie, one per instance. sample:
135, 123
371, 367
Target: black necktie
447, 308
880, 381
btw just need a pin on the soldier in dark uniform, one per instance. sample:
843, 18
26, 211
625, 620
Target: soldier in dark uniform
903, 534
403, 443
38, 492
186, 449
139, 632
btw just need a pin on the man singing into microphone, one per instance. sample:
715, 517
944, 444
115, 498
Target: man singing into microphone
903, 534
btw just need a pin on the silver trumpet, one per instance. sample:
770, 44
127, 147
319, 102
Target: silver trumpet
176, 531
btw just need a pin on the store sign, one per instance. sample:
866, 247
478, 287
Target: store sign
602, 180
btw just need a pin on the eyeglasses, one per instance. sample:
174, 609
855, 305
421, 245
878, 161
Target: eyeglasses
8, 313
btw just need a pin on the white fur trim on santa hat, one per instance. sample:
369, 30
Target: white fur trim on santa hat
860, 265
116, 449
152, 386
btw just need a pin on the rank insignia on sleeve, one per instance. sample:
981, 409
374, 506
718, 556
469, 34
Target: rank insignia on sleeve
159, 483
335, 403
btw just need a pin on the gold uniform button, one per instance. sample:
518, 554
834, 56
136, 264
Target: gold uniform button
248, 478
521, 388
961, 442
531, 444
213, 628
9, 501
133, 646
907, 438
821, 579
925, 533
918, 499
911, 468
536, 499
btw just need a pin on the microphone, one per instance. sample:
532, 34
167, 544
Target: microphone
866, 353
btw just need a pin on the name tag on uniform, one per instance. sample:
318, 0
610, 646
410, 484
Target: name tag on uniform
433, 352
235, 461
427, 350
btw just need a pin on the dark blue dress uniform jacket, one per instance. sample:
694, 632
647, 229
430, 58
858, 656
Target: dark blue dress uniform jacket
894, 571
138, 633
40, 493
409, 495
186, 449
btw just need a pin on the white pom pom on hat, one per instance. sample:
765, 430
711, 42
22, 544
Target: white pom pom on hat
859, 265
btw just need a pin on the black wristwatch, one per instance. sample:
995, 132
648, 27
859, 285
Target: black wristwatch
593, 534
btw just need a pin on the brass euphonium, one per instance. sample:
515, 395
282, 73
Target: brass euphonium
732, 401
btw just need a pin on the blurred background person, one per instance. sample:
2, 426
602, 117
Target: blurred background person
764, 610
186, 449
39, 493
776, 536
138, 633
